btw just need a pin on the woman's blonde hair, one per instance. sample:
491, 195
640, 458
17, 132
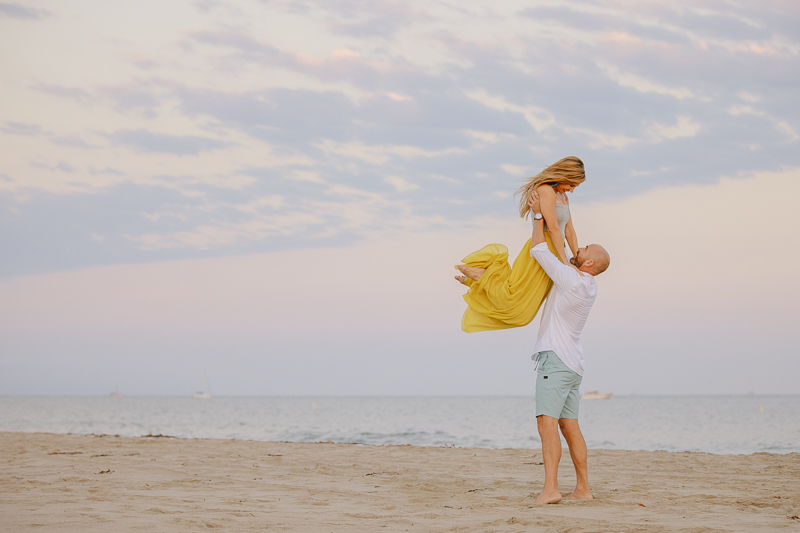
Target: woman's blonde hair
568, 170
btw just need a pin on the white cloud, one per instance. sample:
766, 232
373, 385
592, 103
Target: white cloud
400, 184
381, 153
208, 236
516, 170
538, 117
643, 85
779, 124
273, 201
307, 175
749, 97
597, 139
488, 136
684, 127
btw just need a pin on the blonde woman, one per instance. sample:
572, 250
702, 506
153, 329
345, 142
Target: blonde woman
501, 297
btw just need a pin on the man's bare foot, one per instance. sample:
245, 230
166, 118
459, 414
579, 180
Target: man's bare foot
581, 495
471, 272
548, 497
461, 279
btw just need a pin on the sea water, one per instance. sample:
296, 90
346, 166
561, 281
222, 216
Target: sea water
715, 424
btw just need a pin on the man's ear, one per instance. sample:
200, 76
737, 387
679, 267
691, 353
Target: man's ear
589, 263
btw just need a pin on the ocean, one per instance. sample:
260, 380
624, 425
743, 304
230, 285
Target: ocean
713, 424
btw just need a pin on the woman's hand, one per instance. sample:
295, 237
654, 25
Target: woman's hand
533, 202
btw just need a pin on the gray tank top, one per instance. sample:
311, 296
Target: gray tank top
562, 217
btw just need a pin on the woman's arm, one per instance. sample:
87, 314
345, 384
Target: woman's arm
572, 237
547, 202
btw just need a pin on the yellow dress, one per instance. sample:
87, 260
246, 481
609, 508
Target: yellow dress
504, 297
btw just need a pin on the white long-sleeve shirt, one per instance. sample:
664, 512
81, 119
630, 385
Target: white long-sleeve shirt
566, 309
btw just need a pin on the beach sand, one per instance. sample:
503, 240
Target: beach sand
100, 483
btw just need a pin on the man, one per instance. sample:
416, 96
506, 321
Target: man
559, 355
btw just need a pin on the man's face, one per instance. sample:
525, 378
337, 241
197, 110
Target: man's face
580, 257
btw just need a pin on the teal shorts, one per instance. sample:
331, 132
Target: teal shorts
557, 388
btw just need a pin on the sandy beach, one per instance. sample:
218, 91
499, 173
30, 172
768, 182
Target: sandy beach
100, 483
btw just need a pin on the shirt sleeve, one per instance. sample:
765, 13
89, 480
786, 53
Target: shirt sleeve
564, 276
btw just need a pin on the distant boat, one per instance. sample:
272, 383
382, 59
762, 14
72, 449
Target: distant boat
116, 395
595, 395
201, 394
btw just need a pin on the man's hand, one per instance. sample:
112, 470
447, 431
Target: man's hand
533, 202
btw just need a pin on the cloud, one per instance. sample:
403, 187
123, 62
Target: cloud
539, 118
423, 122
643, 85
237, 40
206, 237
19, 128
73, 142
149, 142
684, 127
61, 166
387, 74
304, 118
363, 18
400, 184
380, 154
281, 116
273, 201
72, 93
335, 293
516, 170
133, 96
649, 22
22, 12
598, 139
780, 125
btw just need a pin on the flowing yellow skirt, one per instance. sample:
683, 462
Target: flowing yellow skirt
504, 297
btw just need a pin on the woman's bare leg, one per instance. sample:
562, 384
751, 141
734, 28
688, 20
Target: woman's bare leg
471, 272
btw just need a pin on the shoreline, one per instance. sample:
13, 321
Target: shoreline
717, 426
61, 482
368, 444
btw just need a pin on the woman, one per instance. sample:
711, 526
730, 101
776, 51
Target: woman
501, 297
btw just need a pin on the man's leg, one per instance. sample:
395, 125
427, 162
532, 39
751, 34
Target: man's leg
551, 453
577, 450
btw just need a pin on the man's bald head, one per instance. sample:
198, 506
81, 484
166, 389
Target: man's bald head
593, 259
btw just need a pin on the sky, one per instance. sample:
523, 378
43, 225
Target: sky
272, 194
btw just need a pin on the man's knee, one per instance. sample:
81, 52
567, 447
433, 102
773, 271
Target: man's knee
568, 422
569, 426
546, 422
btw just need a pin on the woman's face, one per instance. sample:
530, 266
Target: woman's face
565, 187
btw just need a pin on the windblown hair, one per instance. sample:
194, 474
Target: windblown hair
568, 170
